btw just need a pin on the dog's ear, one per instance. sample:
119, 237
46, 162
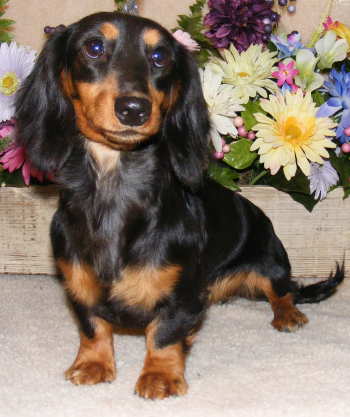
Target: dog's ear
45, 118
187, 125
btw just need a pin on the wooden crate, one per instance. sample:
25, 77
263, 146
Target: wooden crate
314, 240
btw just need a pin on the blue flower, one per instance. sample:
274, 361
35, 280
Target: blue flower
287, 45
322, 178
338, 87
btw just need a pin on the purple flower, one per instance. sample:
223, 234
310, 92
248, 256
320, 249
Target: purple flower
241, 22
322, 177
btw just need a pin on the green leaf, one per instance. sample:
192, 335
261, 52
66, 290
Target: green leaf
197, 6
297, 187
318, 98
5, 37
251, 108
5, 143
240, 156
14, 178
342, 165
6, 22
223, 175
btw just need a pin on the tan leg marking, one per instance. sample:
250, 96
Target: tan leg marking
163, 370
286, 316
80, 282
95, 359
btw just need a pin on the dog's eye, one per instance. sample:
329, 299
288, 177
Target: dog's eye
94, 48
160, 57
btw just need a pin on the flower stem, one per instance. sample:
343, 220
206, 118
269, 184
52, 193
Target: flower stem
257, 178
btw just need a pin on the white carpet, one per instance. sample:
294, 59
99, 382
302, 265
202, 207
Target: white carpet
240, 366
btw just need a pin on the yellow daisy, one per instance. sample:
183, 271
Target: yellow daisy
293, 136
248, 71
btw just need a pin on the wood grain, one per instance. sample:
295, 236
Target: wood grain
314, 241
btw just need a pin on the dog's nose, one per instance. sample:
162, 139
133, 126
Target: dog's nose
133, 111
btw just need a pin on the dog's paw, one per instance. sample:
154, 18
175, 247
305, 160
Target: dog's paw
158, 385
90, 373
289, 320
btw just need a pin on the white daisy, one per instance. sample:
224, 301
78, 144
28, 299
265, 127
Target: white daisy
249, 71
16, 62
222, 104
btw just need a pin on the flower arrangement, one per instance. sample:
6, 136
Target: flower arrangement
279, 109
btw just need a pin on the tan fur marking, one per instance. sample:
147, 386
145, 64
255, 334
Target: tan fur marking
67, 84
144, 287
152, 37
109, 31
163, 371
105, 157
225, 288
95, 359
94, 105
95, 108
286, 316
80, 281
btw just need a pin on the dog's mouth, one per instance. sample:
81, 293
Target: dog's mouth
126, 137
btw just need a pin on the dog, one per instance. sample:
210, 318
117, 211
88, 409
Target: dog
142, 237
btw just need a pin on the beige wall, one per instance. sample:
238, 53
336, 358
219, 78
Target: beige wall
32, 15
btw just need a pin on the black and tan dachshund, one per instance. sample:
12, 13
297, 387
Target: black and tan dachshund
142, 237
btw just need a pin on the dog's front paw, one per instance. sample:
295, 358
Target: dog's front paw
159, 385
289, 320
90, 373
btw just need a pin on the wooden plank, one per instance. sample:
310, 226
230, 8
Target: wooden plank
25, 215
314, 241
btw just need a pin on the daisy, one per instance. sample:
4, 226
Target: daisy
292, 135
321, 178
248, 71
222, 105
16, 62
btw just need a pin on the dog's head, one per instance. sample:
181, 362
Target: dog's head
118, 80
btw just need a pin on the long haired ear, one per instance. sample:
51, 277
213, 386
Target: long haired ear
45, 118
187, 125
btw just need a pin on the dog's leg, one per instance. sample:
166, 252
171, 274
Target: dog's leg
278, 291
95, 359
163, 371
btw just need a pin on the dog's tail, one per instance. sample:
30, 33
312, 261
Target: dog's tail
319, 291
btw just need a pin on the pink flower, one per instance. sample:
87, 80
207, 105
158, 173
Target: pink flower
329, 23
14, 158
6, 131
185, 39
286, 74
